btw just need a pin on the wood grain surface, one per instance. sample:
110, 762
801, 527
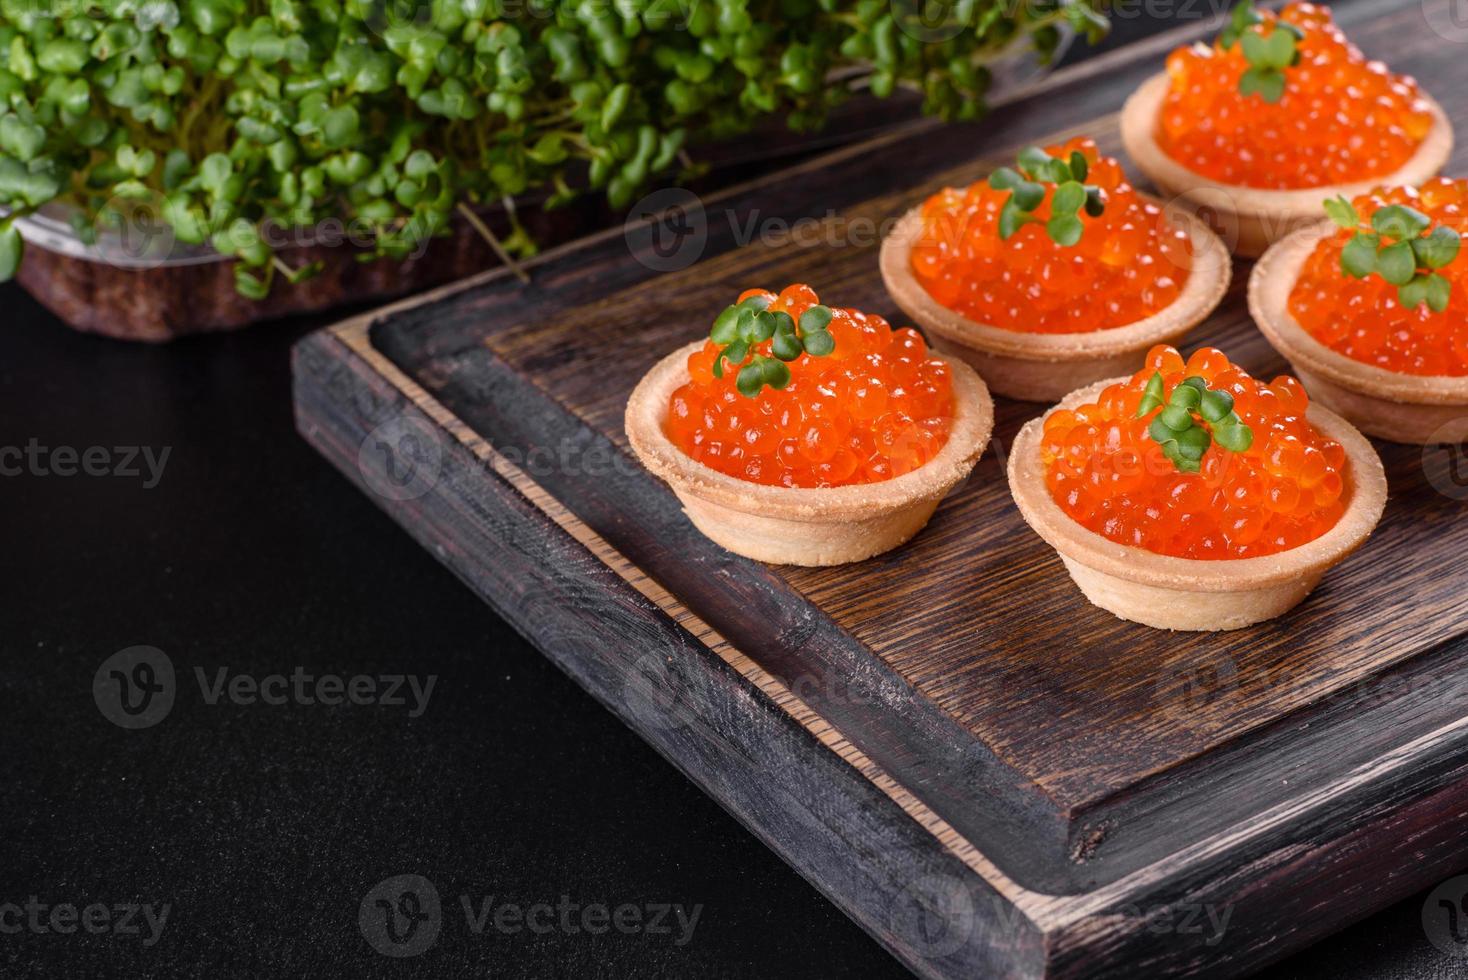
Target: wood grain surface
964, 610
1075, 764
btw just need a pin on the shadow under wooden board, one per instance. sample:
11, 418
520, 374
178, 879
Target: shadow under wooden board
989, 774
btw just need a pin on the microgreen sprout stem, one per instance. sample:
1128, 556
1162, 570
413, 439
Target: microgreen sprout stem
740, 328
232, 116
1026, 184
1400, 246
1176, 427
1268, 54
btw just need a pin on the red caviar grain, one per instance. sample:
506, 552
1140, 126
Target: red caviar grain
1108, 475
1130, 263
878, 406
1341, 118
1364, 318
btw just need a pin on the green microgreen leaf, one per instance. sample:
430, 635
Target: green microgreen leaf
1193, 442
764, 326
1241, 18
750, 380
1254, 50
1279, 48
726, 326
12, 248
1012, 219
1186, 397
1342, 211
819, 343
1408, 262
1065, 229
1068, 198
1005, 178
1079, 165
1161, 432
1397, 263
1399, 221
1175, 429
1413, 294
1027, 195
1267, 83
1358, 257
815, 318
756, 302
1032, 158
786, 346
775, 373
1151, 395
1439, 289
1176, 418
1438, 248
1234, 436
388, 116
1216, 405
1095, 203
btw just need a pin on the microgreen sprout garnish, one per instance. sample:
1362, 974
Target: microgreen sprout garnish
1177, 431
1026, 186
1395, 248
1268, 55
743, 326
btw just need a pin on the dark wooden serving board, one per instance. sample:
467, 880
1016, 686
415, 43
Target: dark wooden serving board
990, 775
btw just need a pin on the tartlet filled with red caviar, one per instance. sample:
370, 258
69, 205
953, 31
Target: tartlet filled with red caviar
1191, 496
1279, 113
803, 434
1054, 273
1371, 309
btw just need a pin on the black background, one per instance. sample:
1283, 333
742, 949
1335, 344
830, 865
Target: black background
264, 826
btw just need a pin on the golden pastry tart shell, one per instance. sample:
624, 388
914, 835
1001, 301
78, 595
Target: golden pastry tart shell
1250, 219
796, 525
1042, 367
1409, 408
1192, 594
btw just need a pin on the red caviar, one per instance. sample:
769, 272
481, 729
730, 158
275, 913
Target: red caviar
1129, 264
1364, 319
1341, 118
1107, 473
876, 407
